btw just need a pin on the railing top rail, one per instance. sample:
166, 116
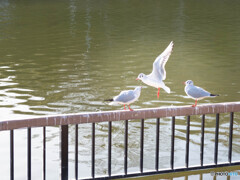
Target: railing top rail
105, 116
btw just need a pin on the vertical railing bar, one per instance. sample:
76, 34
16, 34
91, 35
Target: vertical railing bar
157, 144
126, 148
172, 143
44, 153
230, 137
141, 145
29, 153
109, 147
216, 139
202, 140
214, 177
187, 142
93, 150
228, 177
76, 151
64, 152
11, 154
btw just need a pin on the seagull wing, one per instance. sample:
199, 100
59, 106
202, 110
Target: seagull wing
159, 71
197, 92
125, 96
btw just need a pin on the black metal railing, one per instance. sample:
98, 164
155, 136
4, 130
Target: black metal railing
126, 148
202, 140
123, 115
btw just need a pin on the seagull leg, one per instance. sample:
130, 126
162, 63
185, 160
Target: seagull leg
130, 108
158, 93
124, 107
195, 103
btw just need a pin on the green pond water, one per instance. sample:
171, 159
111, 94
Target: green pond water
67, 56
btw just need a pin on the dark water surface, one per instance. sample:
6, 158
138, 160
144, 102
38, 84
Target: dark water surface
67, 56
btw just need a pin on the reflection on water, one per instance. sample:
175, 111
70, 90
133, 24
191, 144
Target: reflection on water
66, 57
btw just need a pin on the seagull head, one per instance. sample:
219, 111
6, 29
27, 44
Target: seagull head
188, 82
141, 76
137, 91
138, 88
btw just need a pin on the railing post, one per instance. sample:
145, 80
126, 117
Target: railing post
93, 150
202, 140
11, 154
29, 153
44, 153
216, 140
172, 143
230, 138
141, 145
64, 152
109, 148
157, 144
187, 142
126, 148
76, 151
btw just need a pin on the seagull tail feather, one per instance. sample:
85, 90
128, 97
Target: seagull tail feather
108, 100
214, 95
167, 89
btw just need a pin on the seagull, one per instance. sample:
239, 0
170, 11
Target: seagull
158, 73
196, 92
126, 97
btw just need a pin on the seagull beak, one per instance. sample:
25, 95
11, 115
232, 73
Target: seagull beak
137, 79
184, 83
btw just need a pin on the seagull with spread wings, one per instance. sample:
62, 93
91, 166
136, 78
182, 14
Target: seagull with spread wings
158, 73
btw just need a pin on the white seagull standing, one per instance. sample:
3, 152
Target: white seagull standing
196, 92
126, 97
158, 73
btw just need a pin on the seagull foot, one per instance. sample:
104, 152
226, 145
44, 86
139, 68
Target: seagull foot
195, 103
158, 93
130, 108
